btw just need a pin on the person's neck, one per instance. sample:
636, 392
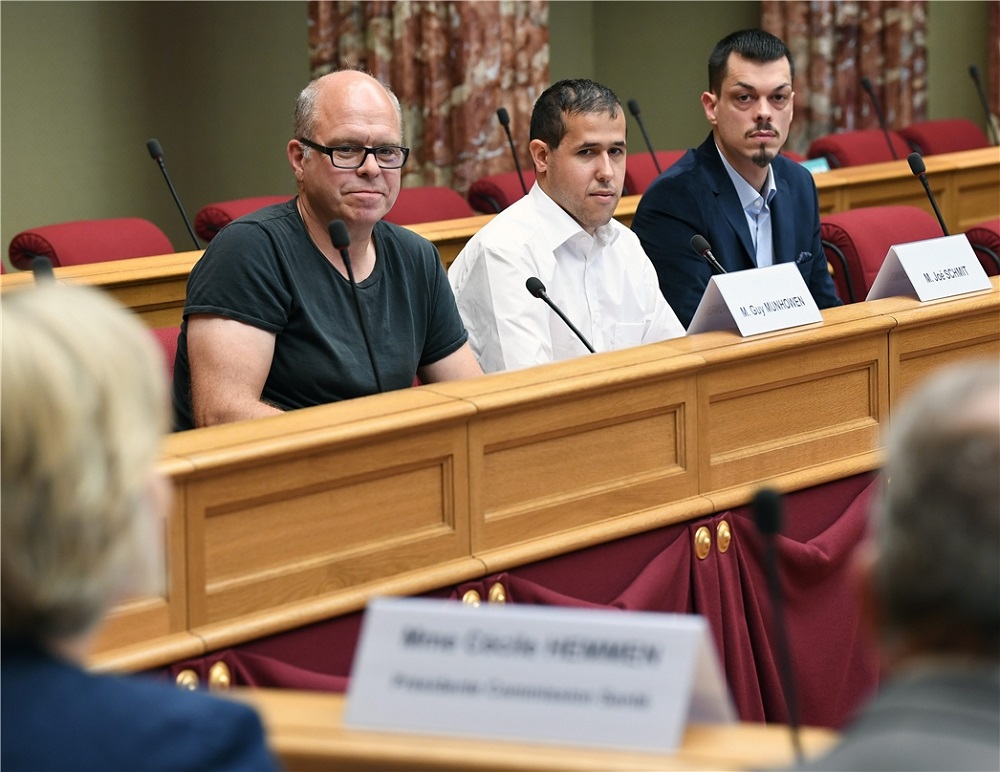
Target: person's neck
361, 251
754, 175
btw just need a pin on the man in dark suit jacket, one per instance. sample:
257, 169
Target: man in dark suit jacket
754, 207
931, 578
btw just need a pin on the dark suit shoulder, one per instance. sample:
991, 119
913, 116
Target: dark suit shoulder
117, 722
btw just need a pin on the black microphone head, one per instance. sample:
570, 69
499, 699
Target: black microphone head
41, 269
974, 71
916, 162
155, 151
866, 84
535, 286
700, 244
767, 511
633, 107
338, 235
503, 116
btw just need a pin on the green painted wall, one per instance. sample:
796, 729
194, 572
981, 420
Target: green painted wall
85, 84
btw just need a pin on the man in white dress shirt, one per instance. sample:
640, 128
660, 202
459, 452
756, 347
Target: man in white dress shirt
563, 233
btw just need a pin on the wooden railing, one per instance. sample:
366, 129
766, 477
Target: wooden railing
967, 187
284, 521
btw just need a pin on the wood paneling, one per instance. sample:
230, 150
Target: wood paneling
288, 520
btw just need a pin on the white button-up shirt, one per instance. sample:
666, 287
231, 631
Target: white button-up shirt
604, 283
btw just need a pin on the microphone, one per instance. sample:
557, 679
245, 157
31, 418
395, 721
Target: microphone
700, 245
536, 288
156, 153
633, 107
41, 269
867, 85
916, 162
504, 119
767, 515
341, 241
974, 72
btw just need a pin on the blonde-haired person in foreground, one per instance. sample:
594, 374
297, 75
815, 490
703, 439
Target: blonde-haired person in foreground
931, 576
82, 412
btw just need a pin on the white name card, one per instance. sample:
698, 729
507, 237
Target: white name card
755, 301
933, 269
597, 678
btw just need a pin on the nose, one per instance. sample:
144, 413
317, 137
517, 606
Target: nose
369, 167
762, 112
604, 171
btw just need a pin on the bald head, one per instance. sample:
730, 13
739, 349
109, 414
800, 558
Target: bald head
337, 88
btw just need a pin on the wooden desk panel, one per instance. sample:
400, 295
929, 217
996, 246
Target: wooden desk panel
296, 518
153, 287
835, 376
933, 335
360, 494
305, 730
544, 460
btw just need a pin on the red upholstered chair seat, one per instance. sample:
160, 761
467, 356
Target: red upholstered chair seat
89, 241
496, 192
854, 148
944, 136
640, 171
791, 155
985, 240
428, 204
214, 217
166, 337
856, 243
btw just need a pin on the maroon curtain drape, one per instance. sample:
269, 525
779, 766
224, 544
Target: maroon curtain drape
834, 660
452, 64
837, 42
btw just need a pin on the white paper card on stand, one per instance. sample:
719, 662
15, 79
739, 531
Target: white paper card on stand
755, 301
932, 268
585, 677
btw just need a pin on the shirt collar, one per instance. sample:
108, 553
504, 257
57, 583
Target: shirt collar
558, 227
744, 189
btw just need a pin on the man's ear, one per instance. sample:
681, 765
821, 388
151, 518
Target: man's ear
539, 156
710, 102
295, 152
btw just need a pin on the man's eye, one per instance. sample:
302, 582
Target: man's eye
616, 151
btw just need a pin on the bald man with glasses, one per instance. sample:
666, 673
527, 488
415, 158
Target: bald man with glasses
271, 321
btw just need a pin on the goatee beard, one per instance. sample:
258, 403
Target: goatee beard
762, 158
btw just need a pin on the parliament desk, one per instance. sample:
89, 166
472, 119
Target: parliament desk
966, 184
305, 730
285, 521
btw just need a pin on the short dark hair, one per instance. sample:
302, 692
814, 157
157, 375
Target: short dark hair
575, 96
753, 44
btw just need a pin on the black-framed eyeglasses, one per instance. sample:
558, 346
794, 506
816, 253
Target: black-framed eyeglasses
354, 156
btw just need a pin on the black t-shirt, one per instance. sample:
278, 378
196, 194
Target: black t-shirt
264, 270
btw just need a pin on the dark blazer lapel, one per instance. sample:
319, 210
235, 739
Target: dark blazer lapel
728, 201
783, 207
